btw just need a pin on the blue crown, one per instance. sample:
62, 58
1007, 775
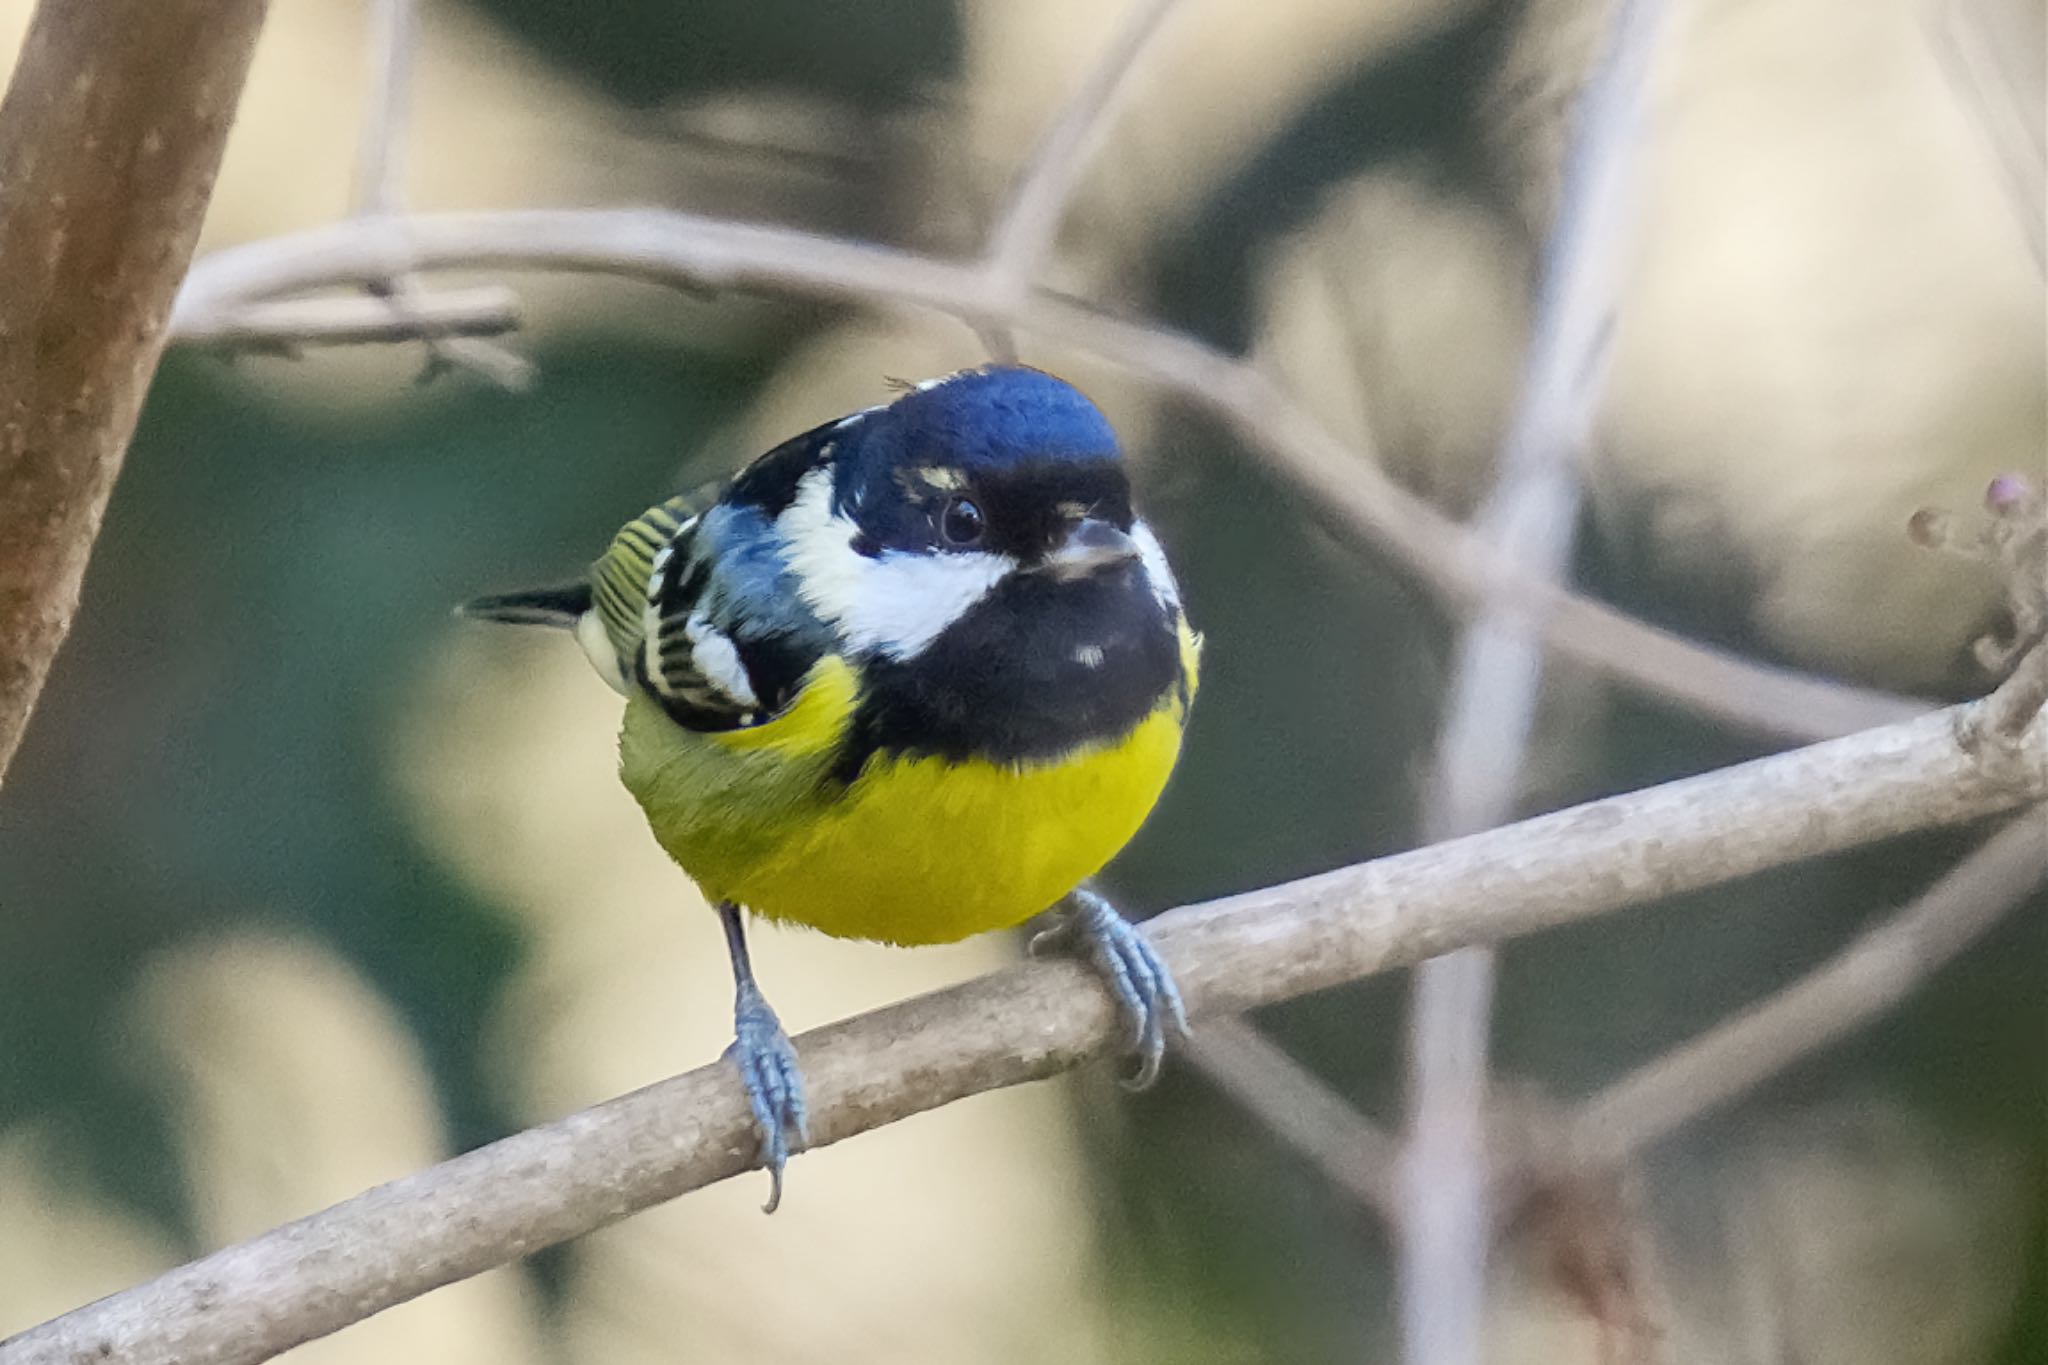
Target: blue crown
1001, 415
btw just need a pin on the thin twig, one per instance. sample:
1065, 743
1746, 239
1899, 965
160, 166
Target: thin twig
387, 120
302, 1281
1531, 519
1350, 1150
108, 150
1992, 53
413, 312
1873, 974
1025, 231
1342, 484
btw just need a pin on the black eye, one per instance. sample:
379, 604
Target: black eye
961, 522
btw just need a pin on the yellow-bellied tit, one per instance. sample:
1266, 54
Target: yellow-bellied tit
914, 675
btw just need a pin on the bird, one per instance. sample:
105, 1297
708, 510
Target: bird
913, 675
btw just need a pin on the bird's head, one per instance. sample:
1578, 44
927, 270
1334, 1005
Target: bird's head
990, 488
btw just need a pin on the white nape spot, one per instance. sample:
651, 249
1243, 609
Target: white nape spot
718, 659
1153, 557
597, 647
1089, 656
895, 603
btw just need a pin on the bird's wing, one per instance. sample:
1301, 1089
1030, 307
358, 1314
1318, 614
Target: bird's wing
700, 606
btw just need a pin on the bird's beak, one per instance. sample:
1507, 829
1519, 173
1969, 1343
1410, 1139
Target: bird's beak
1091, 546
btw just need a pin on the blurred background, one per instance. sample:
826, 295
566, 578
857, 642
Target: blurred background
304, 885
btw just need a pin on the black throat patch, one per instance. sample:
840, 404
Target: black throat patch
1034, 670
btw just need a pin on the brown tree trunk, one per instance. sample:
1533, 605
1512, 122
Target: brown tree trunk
110, 136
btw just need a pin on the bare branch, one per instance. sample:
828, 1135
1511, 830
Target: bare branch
542, 1186
1341, 483
94, 245
1870, 976
287, 324
1531, 518
1350, 1150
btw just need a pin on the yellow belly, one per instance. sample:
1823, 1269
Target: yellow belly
916, 850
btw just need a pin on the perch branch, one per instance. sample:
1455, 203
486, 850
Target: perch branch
1343, 485
248, 1302
110, 137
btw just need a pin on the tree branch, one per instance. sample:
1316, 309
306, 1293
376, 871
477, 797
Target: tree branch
309, 1278
1531, 517
1350, 1150
1344, 486
110, 136
1025, 232
288, 324
1873, 974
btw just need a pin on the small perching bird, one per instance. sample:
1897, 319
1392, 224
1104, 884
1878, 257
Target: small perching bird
914, 675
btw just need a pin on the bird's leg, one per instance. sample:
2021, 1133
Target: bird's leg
766, 1060
1135, 974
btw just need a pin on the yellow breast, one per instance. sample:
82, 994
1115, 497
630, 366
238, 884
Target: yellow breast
917, 849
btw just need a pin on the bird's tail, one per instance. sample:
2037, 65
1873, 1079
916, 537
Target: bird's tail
558, 606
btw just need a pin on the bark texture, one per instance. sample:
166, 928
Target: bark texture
110, 136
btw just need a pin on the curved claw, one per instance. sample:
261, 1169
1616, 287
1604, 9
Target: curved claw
774, 1082
1134, 972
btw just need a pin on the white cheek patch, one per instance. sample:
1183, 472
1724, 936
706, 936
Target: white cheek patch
1153, 557
894, 604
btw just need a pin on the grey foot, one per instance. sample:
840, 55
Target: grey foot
1135, 974
775, 1085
